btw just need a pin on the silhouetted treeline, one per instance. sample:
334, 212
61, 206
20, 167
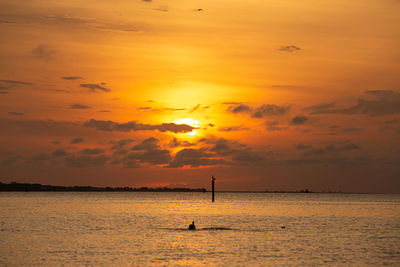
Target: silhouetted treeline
14, 186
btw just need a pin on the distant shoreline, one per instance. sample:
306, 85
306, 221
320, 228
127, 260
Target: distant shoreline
28, 187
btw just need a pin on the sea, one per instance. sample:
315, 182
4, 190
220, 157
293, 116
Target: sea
238, 229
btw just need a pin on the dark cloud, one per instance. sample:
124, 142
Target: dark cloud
146, 0
194, 158
94, 86
232, 128
51, 128
384, 102
133, 126
302, 146
16, 82
315, 109
274, 126
289, 48
85, 161
59, 153
43, 51
105, 110
331, 148
3, 92
235, 153
392, 125
78, 106
91, 151
269, 110
72, 77
150, 143
40, 157
299, 120
120, 144
261, 111
146, 152
62, 91
15, 113
145, 108
76, 140
178, 143
239, 108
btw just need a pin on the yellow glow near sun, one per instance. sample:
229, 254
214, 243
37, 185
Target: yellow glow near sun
190, 122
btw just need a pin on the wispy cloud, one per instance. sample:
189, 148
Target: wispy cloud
289, 48
72, 77
78, 106
15, 113
383, 102
43, 52
94, 86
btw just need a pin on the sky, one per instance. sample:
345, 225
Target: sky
261, 94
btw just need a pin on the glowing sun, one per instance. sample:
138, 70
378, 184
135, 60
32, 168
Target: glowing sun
190, 122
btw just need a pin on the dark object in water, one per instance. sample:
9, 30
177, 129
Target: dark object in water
192, 227
283, 227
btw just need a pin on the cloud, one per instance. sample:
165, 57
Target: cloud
84, 161
232, 128
72, 77
91, 151
383, 102
16, 82
133, 126
274, 126
178, 143
299, 120
66, 22
76, 140
393, 125
194, 108
239, 108
289, 48
93, 87
261, 111
146, 152
150, 143
331, 148
302, 146
269, 110
59, 153
15, 113
120, 144
235, 153
78, 106
146, 0
315, 109
40, 157
43, 51
194, 158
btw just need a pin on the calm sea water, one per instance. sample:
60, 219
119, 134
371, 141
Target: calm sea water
239, 229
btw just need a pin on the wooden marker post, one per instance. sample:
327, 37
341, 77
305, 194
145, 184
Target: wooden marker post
212, 186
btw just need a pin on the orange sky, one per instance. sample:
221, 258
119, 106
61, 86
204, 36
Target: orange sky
276, 95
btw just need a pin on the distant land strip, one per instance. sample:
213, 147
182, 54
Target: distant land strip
26, 187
